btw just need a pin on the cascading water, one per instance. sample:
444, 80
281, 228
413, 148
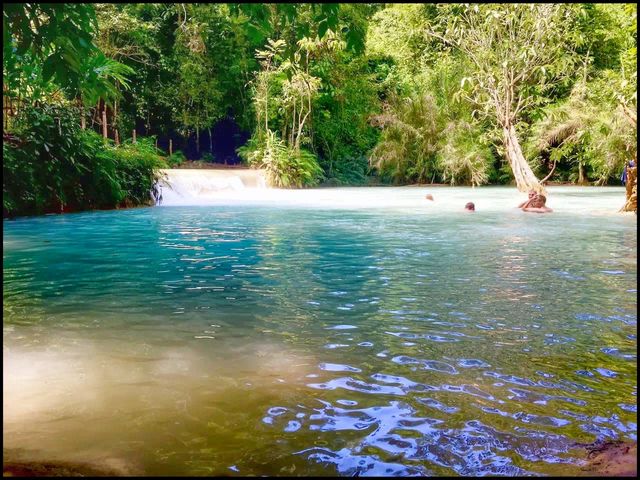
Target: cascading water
183, 187
196, 186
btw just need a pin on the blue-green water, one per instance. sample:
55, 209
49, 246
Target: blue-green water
244, 340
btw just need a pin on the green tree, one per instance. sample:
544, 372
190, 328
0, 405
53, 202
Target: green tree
518, 53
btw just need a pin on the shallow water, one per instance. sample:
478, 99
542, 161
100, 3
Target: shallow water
323, 332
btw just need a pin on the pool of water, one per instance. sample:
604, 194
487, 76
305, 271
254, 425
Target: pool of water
273, 338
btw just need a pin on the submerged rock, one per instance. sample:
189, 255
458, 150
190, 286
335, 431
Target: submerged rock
612, 458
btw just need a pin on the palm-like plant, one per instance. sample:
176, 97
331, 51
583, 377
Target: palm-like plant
409, 143
102, 79
584, 131
464, 157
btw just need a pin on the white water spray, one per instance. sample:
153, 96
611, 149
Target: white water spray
200, 186
182, 187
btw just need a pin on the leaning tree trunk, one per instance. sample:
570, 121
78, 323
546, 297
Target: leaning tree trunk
525, 178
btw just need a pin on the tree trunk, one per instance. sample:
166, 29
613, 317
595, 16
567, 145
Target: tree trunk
104, 123
632, 190
210, 142
581, 180
525, 178
83, 120
115, 114
198, 140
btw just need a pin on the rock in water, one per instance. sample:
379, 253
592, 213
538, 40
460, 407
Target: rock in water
612, 459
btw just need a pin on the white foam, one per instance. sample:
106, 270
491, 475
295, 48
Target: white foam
247, 187
198, 186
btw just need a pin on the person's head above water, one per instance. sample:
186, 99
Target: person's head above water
538, 201
428, 196
532, 194
470, 206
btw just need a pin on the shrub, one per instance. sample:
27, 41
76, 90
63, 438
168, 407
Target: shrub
176, 159
51, 165
135, 170
408, 145
351, 170
285, 167
464, 157
208, 157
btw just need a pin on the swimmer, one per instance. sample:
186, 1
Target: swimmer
470, 207
532, 194
537, 205
428, 196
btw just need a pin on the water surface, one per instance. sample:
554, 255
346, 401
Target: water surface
280, 336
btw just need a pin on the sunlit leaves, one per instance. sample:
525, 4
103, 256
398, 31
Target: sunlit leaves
261, 19
59, 37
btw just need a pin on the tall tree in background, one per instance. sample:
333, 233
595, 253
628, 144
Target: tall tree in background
518, 52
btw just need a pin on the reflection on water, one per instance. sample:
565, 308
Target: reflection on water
237, 340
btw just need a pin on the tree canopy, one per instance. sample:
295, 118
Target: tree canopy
347, 93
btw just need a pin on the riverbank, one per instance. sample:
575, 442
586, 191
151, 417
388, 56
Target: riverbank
612, 459
608, 459
55, 469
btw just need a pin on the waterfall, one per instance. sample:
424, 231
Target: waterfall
201, 186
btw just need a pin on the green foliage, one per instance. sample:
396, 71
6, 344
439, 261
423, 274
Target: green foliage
196, 94
208, 158
397, 32
57, 36
48, 46
473, 56
285, 167
588, 136
342, 134
55, 166
263, 19
409, 142
416, 102
102, 78
176, 159
465, 157
136, 170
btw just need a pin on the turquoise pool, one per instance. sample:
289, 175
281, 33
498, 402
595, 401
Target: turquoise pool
237, 339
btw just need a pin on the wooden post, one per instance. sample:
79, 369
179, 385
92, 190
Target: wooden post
104, 123
134, 135
170, 147
116, 137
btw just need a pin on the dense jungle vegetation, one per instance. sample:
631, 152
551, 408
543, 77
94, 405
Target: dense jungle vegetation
335, 94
